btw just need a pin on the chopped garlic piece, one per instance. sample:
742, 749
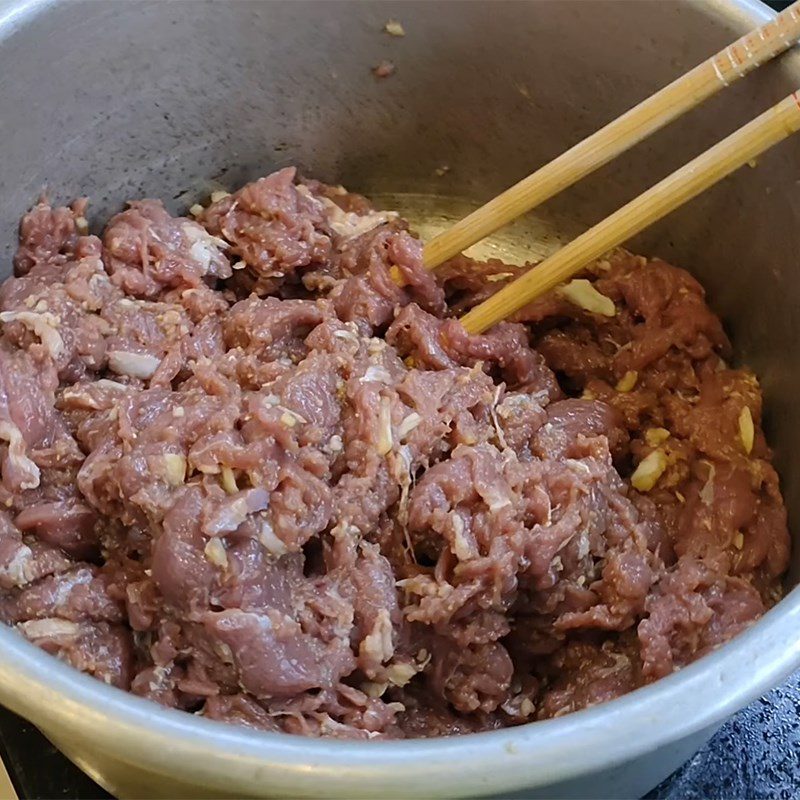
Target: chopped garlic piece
526, 707
223, 651
746, 429
346, 224
335, 444
374, 690
202, 252
290, 418
656, 436
174, 469
627, 381
461, 548
583, 294
49, 627
269, 541
219, 195
135, 365
385, 440
207, 469
376, 374
649, 471
19, 570
408, 424
499, 276
228, 480
707, 492
215, 553
738, 540
196, 210
377, 644
400, 674
394, 28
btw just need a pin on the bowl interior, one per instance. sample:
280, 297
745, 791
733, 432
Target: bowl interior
122, 100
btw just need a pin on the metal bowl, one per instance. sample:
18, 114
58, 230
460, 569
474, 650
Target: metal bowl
120, 100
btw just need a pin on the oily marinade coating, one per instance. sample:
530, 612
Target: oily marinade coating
246, 474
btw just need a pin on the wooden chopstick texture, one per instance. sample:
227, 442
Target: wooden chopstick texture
688, 91
766, 130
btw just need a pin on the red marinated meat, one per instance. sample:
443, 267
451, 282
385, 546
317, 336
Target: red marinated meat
248, 473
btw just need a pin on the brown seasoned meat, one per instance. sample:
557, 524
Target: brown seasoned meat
252, 467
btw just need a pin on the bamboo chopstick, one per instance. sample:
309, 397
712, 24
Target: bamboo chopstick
7, 791
688, 91
771, 127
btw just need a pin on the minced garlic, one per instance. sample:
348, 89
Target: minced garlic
746, 429
228, 480
627, 382
385, 440
174, 469
583, 294
650, 469
656, 436
400, 674
215, 553
408, 424
394, 28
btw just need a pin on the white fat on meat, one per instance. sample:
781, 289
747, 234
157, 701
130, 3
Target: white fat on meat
42, 324
26, 474
348, 224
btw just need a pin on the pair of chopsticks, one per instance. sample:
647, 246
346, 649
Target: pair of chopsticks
688, 91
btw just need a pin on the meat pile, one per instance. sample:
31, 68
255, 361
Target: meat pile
253, 468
